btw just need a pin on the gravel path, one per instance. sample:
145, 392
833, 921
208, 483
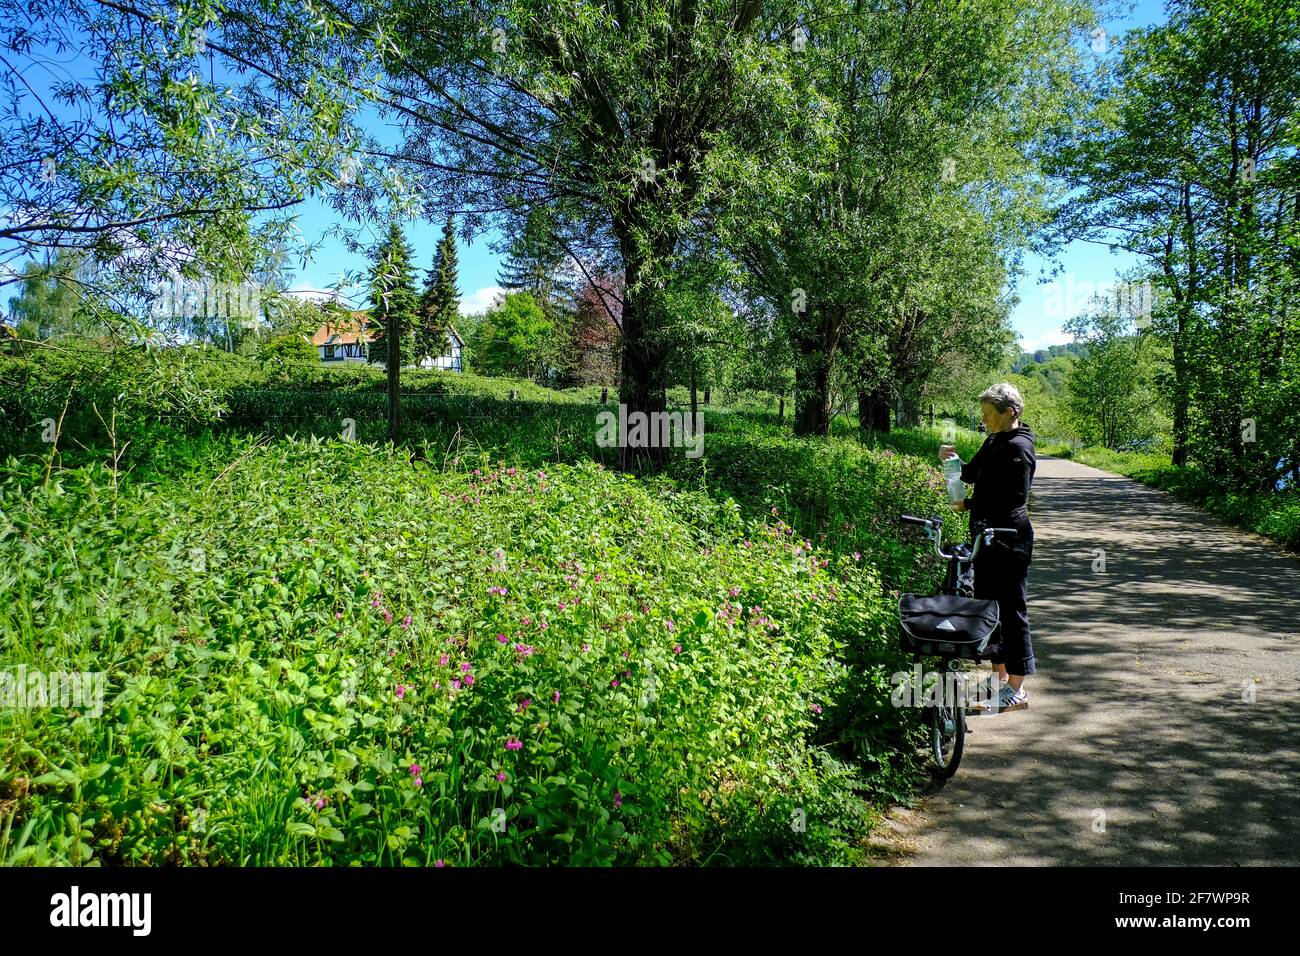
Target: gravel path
1164, 720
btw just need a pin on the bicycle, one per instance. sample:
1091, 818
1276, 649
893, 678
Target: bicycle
954, 626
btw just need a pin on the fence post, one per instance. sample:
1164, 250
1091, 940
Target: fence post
604, 395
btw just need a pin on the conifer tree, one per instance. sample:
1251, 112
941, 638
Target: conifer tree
438, 306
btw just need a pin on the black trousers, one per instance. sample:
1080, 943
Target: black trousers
1002, 575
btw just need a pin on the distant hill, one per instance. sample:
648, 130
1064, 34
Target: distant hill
1026, 359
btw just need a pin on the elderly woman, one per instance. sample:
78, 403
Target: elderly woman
1002, 472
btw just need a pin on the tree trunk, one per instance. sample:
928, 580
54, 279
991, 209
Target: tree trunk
812, 414
1180, 396
812, 382
645, 355
873, 410
394, 370
695, 400
906, 412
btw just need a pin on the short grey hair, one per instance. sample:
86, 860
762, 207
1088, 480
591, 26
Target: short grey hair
1002, 396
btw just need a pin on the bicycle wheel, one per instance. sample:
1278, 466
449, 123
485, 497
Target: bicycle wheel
947, 725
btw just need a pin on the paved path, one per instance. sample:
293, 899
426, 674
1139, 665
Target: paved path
1137, 748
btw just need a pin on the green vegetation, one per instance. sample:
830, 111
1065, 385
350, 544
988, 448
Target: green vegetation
281, 623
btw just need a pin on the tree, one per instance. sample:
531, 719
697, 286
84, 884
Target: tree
440, 300
593, 349
1109, 390
52, 300
393, 305
903, 181
537, 263
607, 114
513, 338
175, 145
392, 296
1188, 160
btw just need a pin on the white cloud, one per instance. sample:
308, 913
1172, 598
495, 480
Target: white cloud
481, 300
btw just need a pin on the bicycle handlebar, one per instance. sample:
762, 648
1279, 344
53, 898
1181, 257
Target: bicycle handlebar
934, 531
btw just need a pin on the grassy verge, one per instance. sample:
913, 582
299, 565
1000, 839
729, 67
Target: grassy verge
318, 652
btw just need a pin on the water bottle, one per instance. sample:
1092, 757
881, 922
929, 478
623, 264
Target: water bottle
952, 471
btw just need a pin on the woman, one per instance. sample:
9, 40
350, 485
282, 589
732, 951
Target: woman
1003, 472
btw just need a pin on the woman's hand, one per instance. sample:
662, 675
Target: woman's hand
946, 452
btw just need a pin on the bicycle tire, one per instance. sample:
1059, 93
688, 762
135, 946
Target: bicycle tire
947, 731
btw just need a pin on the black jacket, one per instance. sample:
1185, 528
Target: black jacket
1002, 472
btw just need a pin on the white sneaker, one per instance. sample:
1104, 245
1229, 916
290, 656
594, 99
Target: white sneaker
1010, 699
980, 696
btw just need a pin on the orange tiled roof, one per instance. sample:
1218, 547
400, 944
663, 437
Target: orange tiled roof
346, 332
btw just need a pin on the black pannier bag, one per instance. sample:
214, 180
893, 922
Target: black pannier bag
945, 625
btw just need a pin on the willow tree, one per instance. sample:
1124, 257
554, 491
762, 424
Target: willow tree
609, 114
912, 120
155, 139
